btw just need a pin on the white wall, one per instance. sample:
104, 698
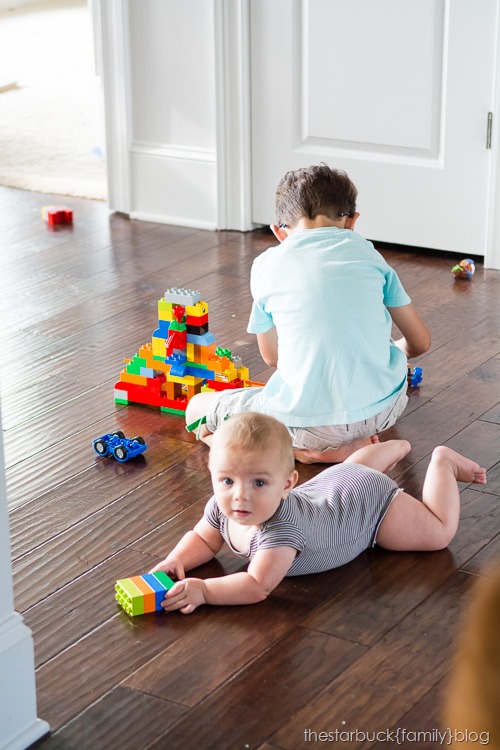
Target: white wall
19, 726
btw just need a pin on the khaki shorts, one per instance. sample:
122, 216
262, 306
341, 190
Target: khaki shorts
320, 439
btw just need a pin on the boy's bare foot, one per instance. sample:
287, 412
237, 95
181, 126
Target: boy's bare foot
332, 456
464, 469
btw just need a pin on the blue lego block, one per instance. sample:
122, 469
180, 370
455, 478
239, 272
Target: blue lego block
205, 340
162, 332
157, 587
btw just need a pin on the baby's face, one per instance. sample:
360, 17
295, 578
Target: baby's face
249, 486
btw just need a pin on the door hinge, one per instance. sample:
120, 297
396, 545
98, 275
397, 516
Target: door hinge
489, 129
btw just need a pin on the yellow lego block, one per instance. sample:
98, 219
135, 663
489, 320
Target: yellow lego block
159, 347
164, 307
190, 352
227, 376
186, 380
198, 310
243, 373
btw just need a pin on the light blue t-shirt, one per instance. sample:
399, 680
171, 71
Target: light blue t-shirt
327, 291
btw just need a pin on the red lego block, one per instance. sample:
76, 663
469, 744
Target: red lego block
192, 320
217, 385
57, 215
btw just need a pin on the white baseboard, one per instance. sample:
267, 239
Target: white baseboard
19, 725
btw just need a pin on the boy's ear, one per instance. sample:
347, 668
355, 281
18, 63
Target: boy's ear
351, 221
279, 232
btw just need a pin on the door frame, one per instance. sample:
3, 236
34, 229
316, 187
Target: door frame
233, 114
112, 50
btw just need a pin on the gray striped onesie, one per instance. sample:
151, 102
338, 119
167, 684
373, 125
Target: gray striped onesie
329, 520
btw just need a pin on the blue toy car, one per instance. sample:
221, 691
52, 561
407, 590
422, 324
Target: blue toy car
117, 445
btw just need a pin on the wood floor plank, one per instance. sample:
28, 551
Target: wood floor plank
123, 719
95, 538
379, 689
368, 643
90, 668
288, 678
83, 604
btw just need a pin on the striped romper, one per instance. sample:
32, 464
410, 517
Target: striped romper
329, 520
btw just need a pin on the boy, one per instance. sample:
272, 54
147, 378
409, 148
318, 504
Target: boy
323, 306
324, 523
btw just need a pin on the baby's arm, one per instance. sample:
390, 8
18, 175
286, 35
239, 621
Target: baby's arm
266, 570
416, 336
195, 548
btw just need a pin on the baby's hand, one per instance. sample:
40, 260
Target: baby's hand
172, 566
186, 595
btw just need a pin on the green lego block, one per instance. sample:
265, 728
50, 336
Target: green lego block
164, 579
178, 412
129, 597
135, 364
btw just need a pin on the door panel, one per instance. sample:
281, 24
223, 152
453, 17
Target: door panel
396, 93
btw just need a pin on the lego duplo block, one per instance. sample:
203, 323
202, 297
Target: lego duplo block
180, 296
57, 215
163, 328
128, 377
195, 320
205, 340
165, 310
142, 594
197, 310
175, 365
159, 347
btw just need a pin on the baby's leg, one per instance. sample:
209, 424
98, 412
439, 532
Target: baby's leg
432, 523
380, 456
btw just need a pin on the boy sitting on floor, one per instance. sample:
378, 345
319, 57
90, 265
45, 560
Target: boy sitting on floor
323, 306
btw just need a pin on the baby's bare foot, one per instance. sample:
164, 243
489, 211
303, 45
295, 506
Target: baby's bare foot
464, 468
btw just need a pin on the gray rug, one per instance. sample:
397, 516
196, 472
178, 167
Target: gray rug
51, 122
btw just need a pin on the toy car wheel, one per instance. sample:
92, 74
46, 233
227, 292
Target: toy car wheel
120, 453
119, 434
139, 440
101, 447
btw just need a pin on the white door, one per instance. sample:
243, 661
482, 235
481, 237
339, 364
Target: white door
397, 93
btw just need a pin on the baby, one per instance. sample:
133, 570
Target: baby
322, 524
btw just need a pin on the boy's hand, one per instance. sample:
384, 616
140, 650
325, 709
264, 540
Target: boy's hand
186, 595
172, 566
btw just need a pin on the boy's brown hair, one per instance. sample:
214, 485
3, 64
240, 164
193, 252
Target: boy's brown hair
250, 431
311, 191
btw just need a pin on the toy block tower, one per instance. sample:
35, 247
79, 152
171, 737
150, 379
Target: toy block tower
142, 594
182, 359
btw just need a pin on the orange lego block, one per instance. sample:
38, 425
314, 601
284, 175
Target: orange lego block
149, 594
127, 377
219, 364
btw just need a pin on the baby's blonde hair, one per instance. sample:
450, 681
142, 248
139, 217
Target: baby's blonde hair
250, 431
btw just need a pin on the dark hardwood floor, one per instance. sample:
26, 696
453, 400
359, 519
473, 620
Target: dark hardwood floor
365, 647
